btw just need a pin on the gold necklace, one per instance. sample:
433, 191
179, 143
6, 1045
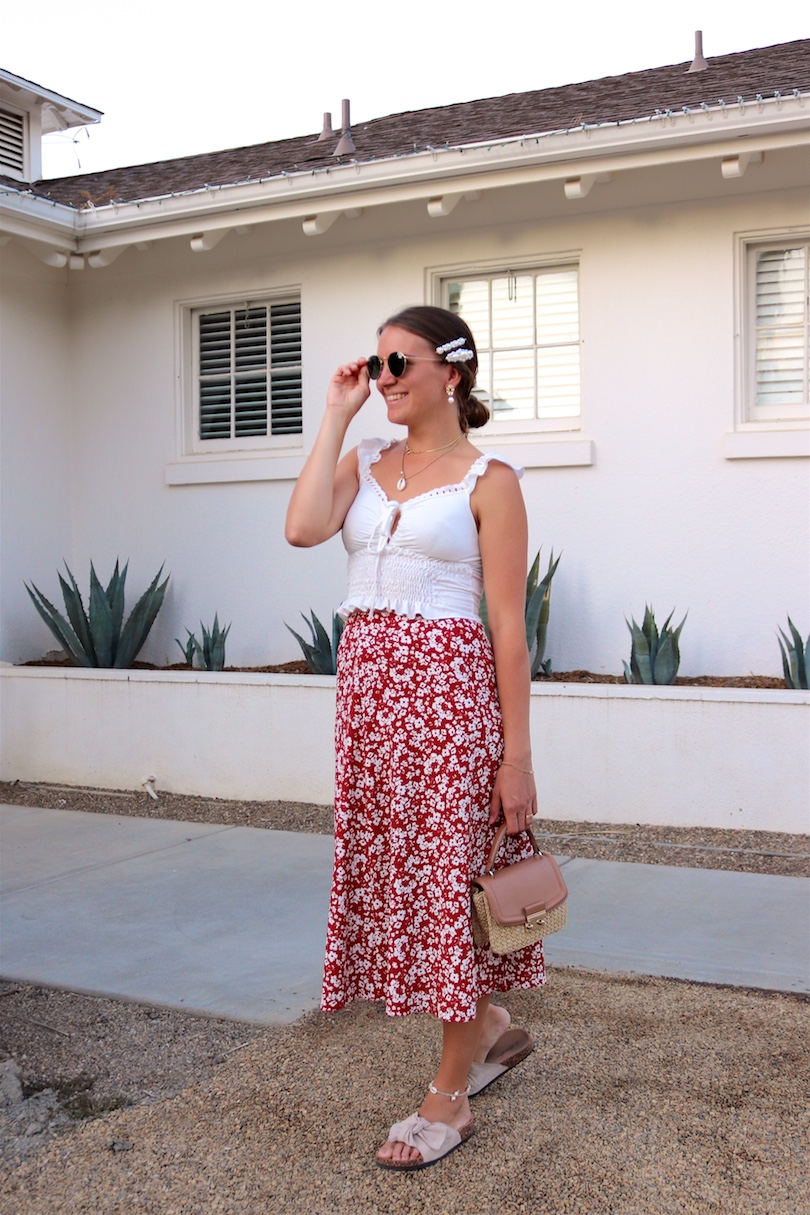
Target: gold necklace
403, 481
427, 451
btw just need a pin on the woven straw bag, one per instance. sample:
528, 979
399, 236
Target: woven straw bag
520, 904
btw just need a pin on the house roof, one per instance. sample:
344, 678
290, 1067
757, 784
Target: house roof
59, 113
768, 72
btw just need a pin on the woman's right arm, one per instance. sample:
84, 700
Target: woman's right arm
327, 485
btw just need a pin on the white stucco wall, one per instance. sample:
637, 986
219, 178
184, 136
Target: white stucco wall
661, 516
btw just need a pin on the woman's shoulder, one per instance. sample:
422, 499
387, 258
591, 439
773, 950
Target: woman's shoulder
374, 447
370, 450
498, 469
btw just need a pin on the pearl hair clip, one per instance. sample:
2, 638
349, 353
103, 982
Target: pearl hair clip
452, 352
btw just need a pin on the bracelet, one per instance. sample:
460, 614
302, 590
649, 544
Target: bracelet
526, 771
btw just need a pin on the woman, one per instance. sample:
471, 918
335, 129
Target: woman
432, 726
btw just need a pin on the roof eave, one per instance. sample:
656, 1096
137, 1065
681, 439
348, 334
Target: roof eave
59, 113
718, 132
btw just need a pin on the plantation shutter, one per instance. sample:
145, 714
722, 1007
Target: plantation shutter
557, 319
781, 323
285, 348
250, 371
526, 327
12, 142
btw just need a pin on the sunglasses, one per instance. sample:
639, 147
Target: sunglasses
397, 363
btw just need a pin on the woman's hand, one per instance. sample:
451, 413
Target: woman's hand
349, 388
514, 798
327, 484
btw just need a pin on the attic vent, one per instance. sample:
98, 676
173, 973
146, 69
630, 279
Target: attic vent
12, 142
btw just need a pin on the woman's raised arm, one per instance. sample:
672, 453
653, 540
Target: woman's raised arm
327, 485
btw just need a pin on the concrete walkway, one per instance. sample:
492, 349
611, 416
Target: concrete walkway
229, 921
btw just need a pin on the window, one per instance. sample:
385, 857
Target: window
247, 373
239, 389
526, 327
777, 335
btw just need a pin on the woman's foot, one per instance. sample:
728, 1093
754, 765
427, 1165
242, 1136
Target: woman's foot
499, 1050
511, 1049
496, 1023
437, 1111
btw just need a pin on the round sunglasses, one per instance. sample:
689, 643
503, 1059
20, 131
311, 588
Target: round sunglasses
397, 363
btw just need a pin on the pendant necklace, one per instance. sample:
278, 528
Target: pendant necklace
409, 451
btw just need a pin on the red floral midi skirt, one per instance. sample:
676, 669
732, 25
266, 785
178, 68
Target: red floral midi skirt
418, 741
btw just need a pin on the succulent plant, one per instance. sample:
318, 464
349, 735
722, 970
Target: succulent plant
538, 603
98, 637
795, 657
211, 653
654, 657
189, 649
321, 652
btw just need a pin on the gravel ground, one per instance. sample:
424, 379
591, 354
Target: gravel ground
644, 1097
696, 847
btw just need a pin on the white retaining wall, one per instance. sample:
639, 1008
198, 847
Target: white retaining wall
710, 757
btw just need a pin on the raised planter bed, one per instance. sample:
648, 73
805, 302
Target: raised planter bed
681, 756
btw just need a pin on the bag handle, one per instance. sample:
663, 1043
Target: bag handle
500, 836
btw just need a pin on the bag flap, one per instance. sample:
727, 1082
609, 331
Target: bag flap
531, 885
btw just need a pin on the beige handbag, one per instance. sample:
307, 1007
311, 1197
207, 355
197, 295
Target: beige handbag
519, 904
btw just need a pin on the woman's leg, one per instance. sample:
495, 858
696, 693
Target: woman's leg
460, 1044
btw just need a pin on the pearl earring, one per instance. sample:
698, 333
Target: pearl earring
451, 397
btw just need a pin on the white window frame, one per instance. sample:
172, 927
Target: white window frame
536, 442
761, 431
245, 458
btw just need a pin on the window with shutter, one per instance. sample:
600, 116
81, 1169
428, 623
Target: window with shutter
12, 143
249, 371
526, 327
779, 339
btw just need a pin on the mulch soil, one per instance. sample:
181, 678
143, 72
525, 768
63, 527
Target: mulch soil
299, 667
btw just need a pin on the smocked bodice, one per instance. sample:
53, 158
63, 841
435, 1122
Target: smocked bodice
416, 558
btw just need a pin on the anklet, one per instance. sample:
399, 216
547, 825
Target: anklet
437, 1092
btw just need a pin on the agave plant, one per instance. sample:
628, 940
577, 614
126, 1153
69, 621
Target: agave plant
538, 603
211, 654
654, 657
98, 637
321, 652
189, 649
795, 657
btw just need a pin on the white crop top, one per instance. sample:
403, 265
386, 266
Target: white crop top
416, 558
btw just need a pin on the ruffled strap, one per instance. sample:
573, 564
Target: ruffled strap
369, 452
480, 467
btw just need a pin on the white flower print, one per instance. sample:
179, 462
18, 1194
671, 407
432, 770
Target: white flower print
418, 740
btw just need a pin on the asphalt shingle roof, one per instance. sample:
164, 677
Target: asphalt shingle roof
764, 72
